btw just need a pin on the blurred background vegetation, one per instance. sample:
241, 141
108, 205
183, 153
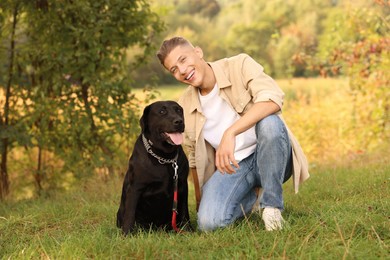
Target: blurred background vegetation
70, 71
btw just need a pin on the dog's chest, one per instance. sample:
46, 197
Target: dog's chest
159, 182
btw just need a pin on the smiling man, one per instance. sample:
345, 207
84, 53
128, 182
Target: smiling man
235, 136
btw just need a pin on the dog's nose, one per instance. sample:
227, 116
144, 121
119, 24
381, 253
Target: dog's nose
178, 122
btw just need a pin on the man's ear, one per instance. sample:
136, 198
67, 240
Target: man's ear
199, 51
144, 119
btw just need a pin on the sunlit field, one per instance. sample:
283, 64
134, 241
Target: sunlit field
319, 111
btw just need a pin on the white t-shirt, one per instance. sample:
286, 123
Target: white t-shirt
220, 116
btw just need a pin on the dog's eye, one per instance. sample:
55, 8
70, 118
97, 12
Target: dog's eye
163, 111
179, 110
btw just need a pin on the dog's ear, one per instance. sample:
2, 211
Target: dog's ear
144, 119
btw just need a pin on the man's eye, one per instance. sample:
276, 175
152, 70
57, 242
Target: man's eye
173, 70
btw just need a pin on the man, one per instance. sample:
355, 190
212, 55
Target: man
235, 136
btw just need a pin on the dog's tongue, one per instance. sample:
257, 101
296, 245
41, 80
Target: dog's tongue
177, 138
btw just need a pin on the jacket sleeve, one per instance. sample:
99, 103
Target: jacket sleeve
189, 140
189, 148
261, 86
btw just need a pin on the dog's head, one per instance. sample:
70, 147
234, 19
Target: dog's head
162, 123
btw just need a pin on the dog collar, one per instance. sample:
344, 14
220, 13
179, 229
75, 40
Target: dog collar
161, 160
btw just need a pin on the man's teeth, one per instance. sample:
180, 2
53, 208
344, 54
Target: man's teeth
190, 75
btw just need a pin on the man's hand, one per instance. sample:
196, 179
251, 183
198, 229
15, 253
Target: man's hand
224, 157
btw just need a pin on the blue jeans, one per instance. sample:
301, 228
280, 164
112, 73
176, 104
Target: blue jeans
227, 197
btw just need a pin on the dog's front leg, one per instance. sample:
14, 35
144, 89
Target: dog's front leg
184, 216
132, 198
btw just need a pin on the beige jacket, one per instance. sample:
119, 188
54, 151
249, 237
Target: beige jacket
242, 82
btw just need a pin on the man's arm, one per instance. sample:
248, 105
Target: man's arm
225, 152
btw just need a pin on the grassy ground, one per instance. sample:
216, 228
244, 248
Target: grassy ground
339, 213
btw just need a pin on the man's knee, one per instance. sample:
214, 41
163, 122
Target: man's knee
271, 127
207, 222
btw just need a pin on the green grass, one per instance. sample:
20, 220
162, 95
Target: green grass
339, 213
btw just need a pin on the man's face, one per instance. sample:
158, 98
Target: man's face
186, 64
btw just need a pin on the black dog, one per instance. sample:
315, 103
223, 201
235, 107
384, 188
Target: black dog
148, 188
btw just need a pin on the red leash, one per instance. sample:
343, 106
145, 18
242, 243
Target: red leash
174, 207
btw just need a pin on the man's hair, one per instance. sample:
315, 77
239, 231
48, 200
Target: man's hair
168, 45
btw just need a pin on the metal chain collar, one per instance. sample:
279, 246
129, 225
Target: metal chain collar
159, 158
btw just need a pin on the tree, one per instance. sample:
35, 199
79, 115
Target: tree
356, 43
72, 66
5, 124
253, 33
207, 8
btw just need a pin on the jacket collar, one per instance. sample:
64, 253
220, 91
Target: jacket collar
195, 103
222, 82
220, 76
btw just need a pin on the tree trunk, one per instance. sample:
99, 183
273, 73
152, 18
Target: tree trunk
4, 179
39, 173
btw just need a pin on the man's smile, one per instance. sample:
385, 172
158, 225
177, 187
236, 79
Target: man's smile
190, 75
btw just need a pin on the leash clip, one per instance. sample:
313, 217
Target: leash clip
175, 167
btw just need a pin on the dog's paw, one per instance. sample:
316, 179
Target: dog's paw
187, 227
127, 231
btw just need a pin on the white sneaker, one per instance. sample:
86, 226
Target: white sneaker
273, 219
